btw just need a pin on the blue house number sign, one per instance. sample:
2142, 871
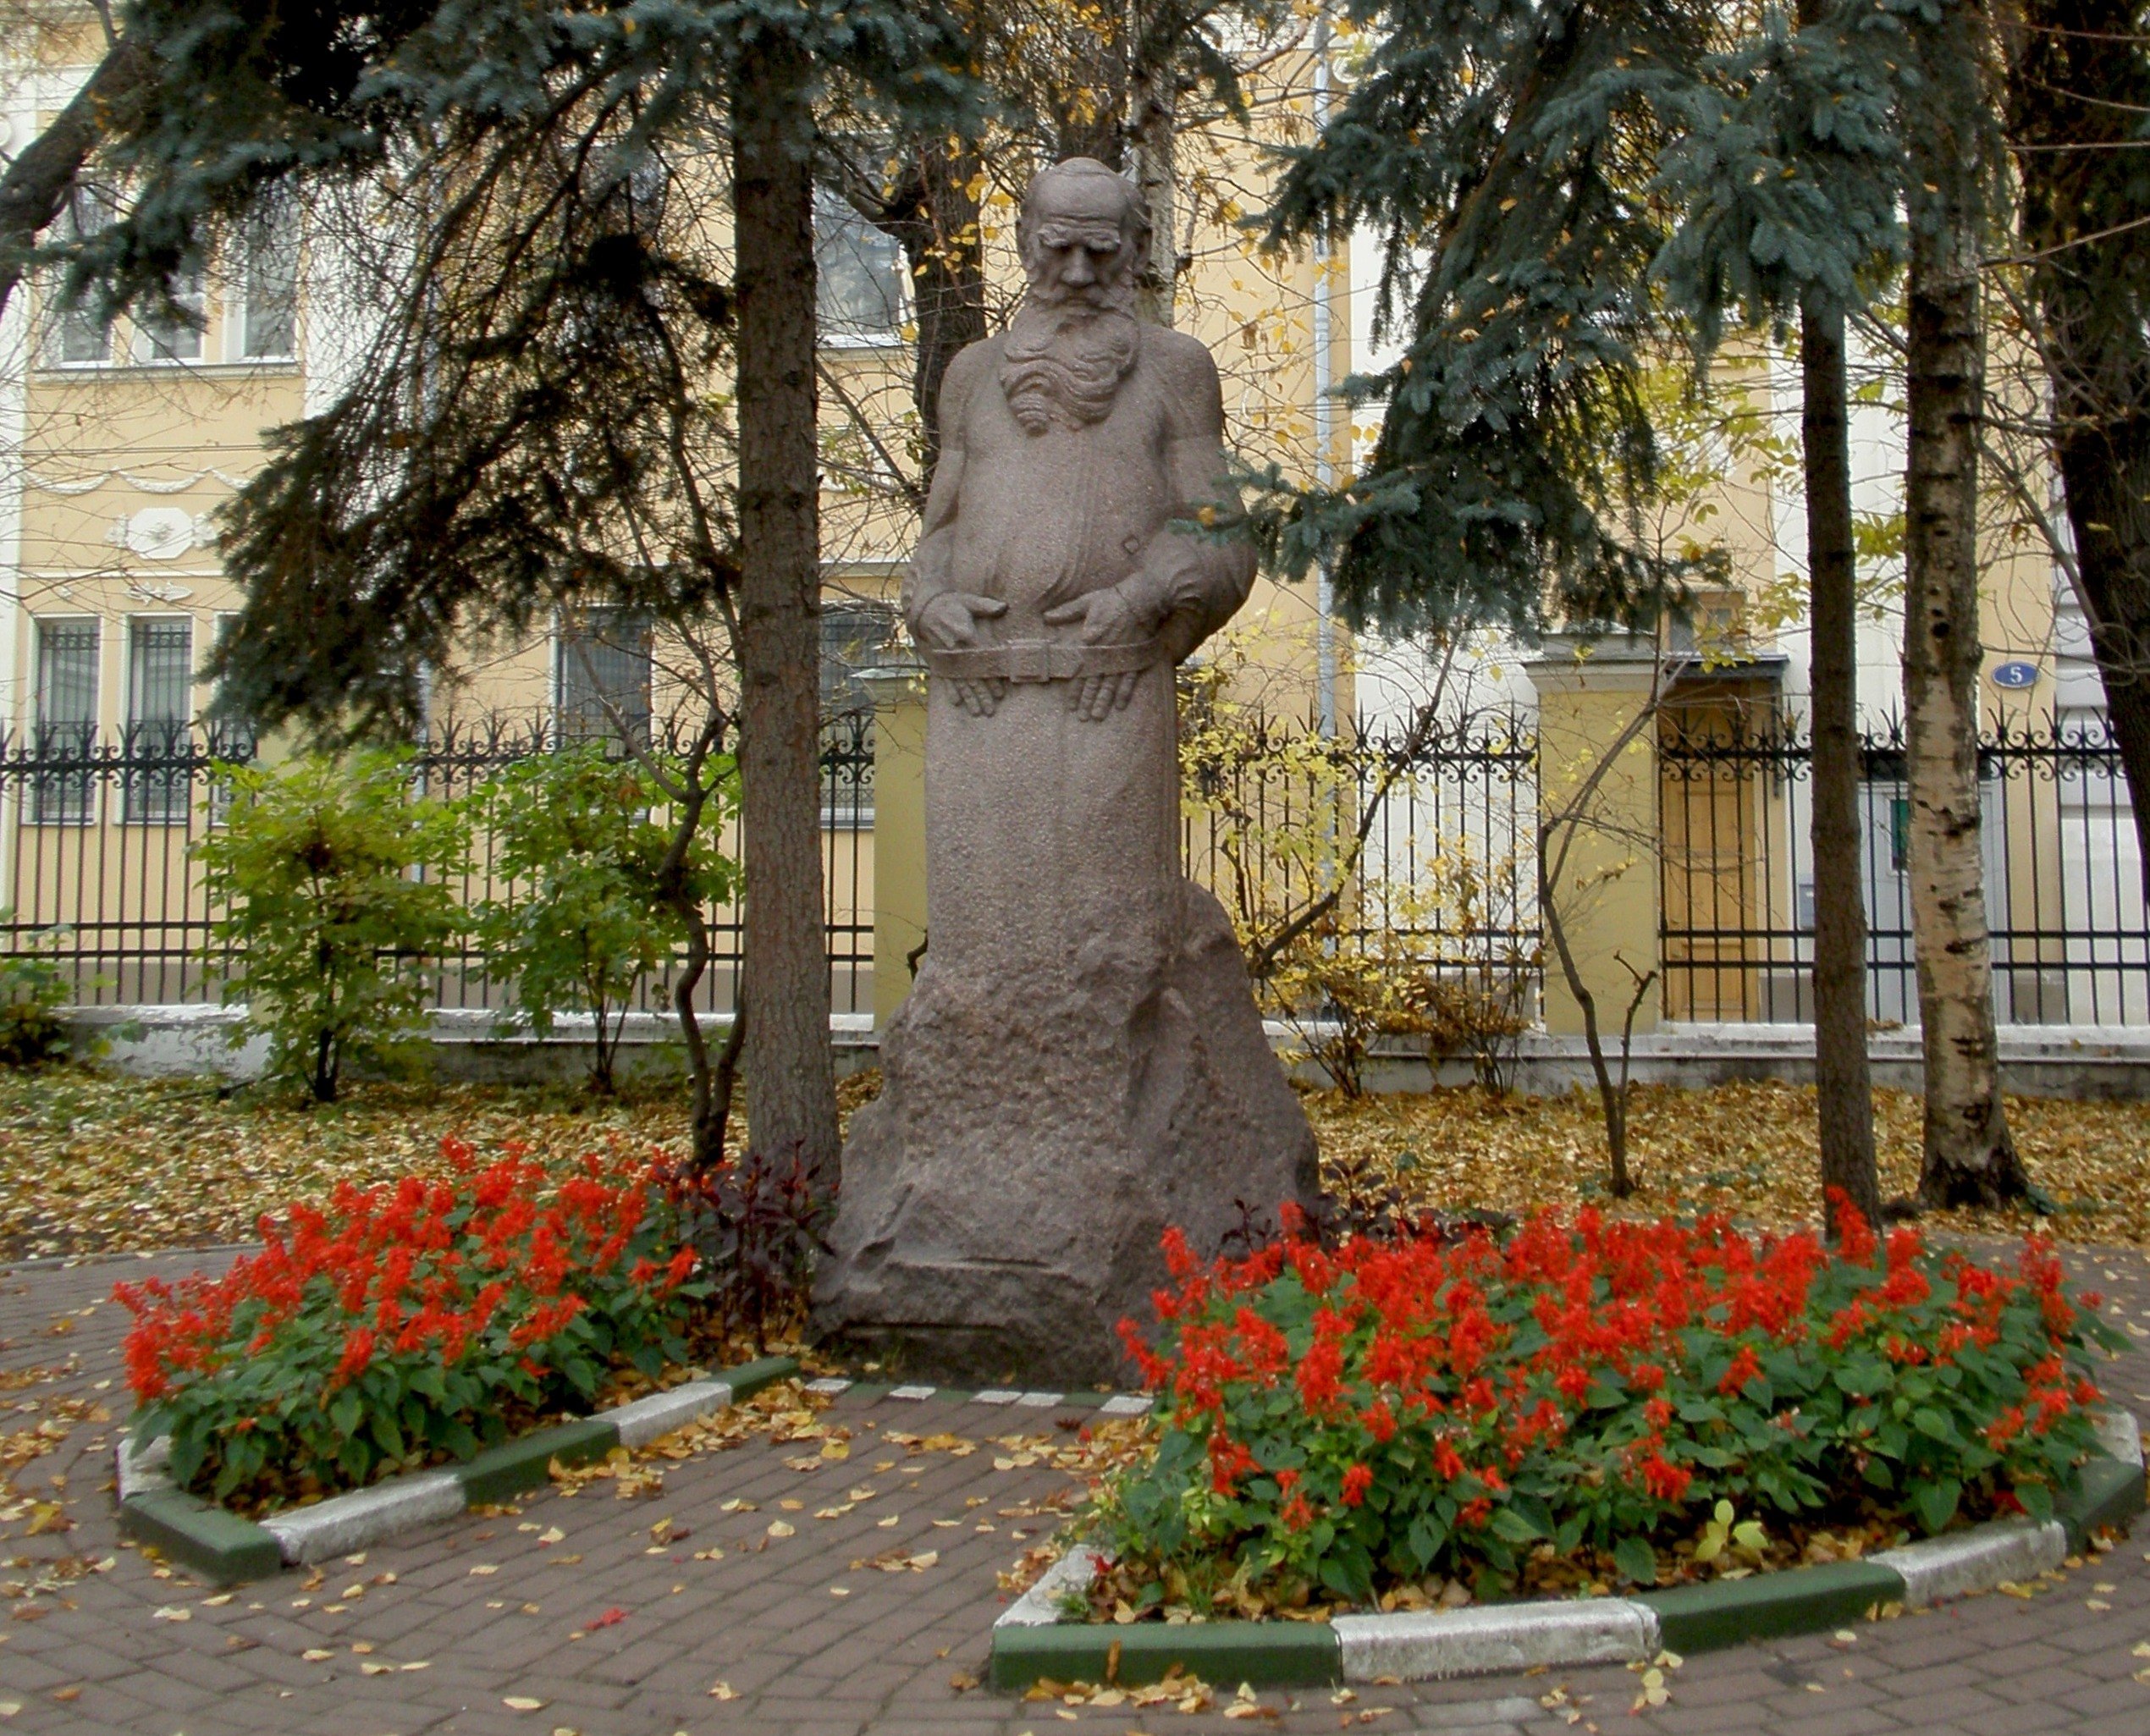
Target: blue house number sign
2015, 675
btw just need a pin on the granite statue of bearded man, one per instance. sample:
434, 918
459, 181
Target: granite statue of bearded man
1080, 1064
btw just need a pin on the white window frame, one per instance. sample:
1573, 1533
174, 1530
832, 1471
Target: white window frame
58, 319
237, 300
143, 345
892, 338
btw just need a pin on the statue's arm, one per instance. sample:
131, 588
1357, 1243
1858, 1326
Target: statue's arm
933, 562
1190, 582
939, 615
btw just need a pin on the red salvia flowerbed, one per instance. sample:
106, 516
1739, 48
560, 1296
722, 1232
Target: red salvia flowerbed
409, 1325
1426, 1412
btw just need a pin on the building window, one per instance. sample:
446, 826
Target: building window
268, 319
854, 636
603, 683
67, 721
82, 338
858, 275
160, 691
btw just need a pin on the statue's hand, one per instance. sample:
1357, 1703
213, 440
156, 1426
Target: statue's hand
1108, 619
949, 622
979, 698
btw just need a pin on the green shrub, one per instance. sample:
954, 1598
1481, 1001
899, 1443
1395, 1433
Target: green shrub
313, 870
33, 988
576, 836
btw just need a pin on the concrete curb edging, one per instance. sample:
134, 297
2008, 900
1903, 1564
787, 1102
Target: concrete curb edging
227, 1548
1040, 1607
1942, 1568
1034, 1640
1429, 1645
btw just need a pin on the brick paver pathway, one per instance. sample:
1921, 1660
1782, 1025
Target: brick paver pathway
493, 1612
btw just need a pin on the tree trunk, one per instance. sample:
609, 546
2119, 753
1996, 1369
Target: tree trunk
1090, 117
325, 1059
1612, 1098
724, 1080
2080, 78
934, 215
36, 188
1969, 1157
706, 1108
1152, 101
704, 1153
605, 1025
790, 1075
1844, 1099
2104, 459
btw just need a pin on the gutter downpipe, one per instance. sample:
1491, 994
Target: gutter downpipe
1324, 476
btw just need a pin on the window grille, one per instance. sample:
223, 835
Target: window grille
854, 636
160, 692
66, 722
604, 685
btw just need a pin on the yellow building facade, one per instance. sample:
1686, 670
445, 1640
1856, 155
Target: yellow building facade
119, 447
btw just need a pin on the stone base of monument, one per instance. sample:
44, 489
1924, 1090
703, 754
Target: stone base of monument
998, 1219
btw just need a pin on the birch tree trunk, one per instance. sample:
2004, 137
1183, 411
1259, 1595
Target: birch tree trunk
1153, 99
1844, 1098
1969, 1158
788, 1066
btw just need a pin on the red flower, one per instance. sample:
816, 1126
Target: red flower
1357, 1480
1665, 1479
1295, 1515
1229, 1461
358, 1352
1744, 1367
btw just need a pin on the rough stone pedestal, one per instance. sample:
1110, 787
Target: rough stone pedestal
1004, 1197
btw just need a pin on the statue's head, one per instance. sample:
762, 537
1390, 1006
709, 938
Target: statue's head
1082, 233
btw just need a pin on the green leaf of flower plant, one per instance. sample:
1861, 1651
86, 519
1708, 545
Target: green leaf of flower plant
1935, 1502
1636, 1560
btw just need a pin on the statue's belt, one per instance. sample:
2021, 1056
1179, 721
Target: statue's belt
1042, 660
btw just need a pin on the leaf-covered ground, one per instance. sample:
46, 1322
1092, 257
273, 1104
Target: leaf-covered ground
1747, 1150
90, 1163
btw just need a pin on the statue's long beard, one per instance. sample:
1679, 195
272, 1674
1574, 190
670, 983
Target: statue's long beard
1064, 362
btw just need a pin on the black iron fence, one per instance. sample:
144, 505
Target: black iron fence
1431, 835
96, 837
2065, 895
101, 875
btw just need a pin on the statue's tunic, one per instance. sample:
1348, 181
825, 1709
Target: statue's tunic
1046, 831
1080, 1063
